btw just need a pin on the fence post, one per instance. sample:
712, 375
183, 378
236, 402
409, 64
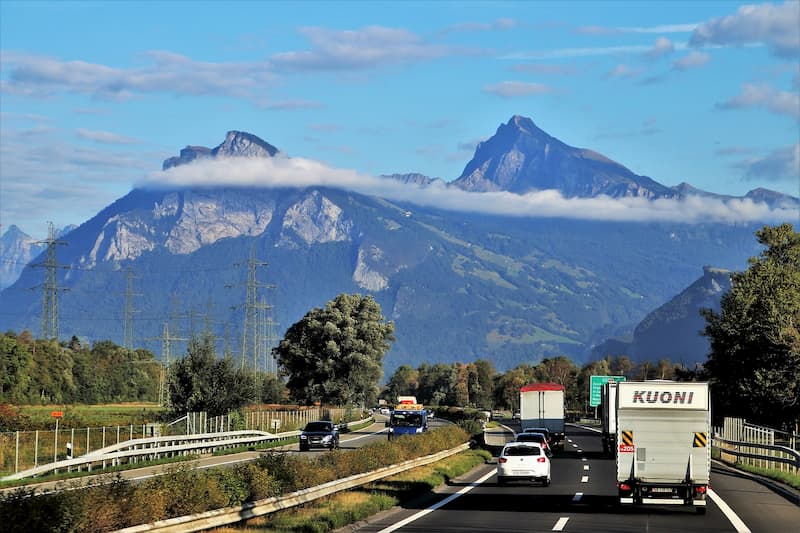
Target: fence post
16, 456
36, 450
87, 441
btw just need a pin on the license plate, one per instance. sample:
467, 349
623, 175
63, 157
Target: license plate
521, 472
663, 490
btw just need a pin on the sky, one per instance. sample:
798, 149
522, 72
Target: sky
95, 95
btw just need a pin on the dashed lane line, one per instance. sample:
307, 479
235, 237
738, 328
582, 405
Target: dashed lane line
561, 523
585, 479
586, 467
577, 497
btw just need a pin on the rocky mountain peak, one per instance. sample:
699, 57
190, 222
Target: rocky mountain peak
240, 143
236, 144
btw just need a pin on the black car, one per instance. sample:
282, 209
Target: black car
319, 434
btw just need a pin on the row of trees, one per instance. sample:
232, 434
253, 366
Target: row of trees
44, 371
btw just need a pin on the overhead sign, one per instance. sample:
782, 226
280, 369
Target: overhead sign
57, 414
596, 383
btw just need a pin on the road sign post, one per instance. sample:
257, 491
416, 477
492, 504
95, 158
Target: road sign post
596, 383
56, 415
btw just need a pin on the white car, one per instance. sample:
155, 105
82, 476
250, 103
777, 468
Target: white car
523, 460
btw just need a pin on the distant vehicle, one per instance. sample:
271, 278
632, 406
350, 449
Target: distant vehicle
516, 415
407, 418
385, 411
523, 460
538, 438
319, 434
431, 413
543, 431
542, 405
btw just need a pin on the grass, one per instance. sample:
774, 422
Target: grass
789, 478
352, 506
81, 415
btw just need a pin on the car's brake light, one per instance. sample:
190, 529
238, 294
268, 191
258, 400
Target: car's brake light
502, 460
541, 460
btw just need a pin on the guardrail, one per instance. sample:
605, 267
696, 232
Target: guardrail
239, 513
152, 448
733, 447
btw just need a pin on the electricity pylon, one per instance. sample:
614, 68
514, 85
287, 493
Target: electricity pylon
166, 340
50, 286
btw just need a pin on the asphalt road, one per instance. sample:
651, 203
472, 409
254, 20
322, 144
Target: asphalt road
582, 497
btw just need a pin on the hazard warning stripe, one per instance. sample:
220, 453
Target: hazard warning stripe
700, 440
627, 437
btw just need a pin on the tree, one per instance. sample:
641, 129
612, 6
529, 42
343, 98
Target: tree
404, 382
754, 364
201, 382
335, 355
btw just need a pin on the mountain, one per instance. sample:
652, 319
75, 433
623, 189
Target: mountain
17, 248
458, 285
673, 330
521, 158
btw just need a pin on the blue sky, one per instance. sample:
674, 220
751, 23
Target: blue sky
95, 95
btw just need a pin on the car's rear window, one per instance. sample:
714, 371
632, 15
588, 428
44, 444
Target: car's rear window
530, 437
522, 450
318, 426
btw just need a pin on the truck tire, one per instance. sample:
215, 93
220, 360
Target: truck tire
700, 510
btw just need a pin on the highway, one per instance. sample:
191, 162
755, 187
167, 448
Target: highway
349, 440
582, 497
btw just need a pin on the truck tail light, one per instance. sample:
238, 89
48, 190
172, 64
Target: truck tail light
700, 489
541, 460
502, 460
624, 487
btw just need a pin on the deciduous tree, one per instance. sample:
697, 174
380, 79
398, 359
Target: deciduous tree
754, 362
335, 355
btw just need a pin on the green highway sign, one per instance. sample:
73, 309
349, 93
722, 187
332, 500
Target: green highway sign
596, 383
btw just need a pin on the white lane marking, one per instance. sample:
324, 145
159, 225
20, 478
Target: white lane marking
574, 445
561, 523
586, 467
583, 458
569, 440
734, 519
435, 506
580, 451
577, 497
585, 479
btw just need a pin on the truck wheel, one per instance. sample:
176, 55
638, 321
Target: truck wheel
700, 510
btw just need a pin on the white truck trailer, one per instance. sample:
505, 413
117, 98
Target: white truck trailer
608, 416
541, 405
663, 443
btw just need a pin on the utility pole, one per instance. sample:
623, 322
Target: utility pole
166, 340
127, 336
50, 286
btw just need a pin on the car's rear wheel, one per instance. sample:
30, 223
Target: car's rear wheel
546, 482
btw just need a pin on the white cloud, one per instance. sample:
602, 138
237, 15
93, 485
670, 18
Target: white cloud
663, 28
498, 24
662, 47
538, 68
297, 172
369, 47
514, 89
40, 76
781, 165
624, 71
778, 26
691, 60
762, 95
558, 53
105, 137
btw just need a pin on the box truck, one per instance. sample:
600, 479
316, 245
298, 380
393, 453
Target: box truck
608, 416
541, 405
663, 443
407, 418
